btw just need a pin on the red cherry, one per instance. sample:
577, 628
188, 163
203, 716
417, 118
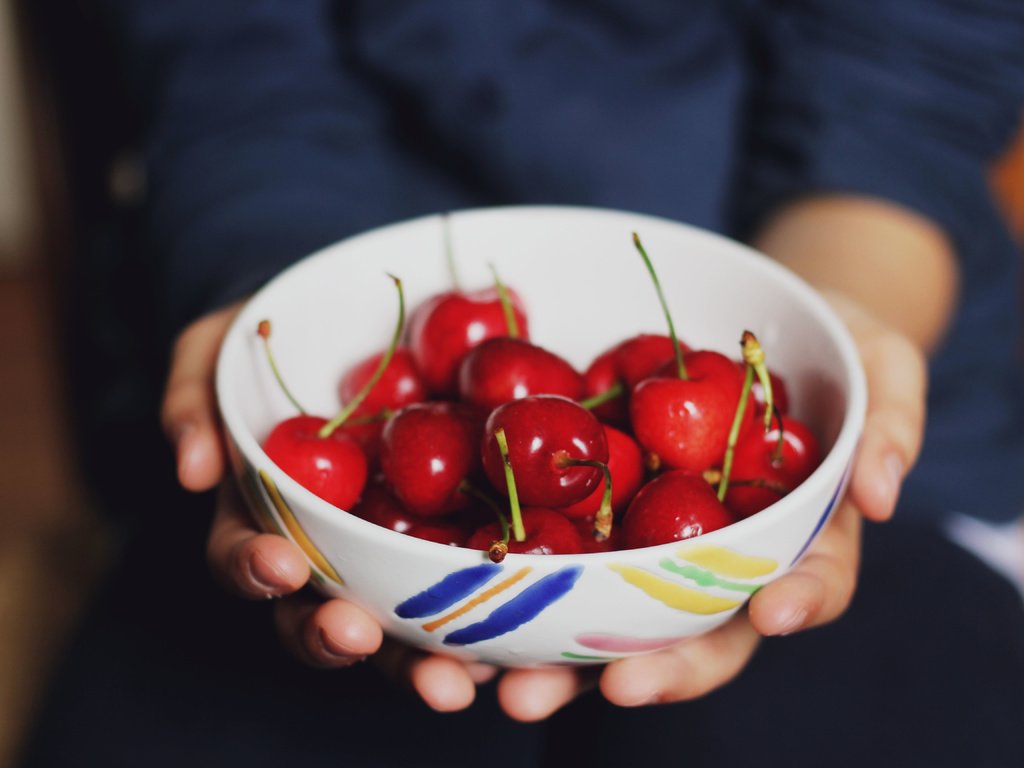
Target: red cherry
763, 470
759, 455
546, 434
746, 500
601, 375
548, 532
503, 369
427, 451
448, 325
626, 463
627, 363
674, 506
398, 386
333, 467
686, 422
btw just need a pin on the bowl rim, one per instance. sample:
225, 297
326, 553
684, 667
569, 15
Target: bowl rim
836, 463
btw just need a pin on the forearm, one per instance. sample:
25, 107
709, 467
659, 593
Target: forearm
893, 262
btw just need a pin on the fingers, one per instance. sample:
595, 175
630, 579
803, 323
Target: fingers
896, 372
893, 430
336, 634
327, 634
445, 684
815, 592
685, 671
529, 695
247, 562
189, 412
820, 587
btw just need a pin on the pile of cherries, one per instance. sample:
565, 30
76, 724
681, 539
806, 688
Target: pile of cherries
464, 432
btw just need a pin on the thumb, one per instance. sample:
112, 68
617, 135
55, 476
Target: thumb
189, 411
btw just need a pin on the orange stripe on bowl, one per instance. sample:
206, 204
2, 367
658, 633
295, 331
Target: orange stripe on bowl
484, 596
298, 535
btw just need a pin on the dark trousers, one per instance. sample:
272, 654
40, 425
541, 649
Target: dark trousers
925, 669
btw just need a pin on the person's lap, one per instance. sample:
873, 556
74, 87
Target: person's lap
927, 667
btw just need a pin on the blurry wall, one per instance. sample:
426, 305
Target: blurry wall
19, 215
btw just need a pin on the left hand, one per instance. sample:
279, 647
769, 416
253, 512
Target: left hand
816, 591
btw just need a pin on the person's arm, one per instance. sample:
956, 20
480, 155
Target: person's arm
893, 277
872, 130
260, 145
895, 263
870, 139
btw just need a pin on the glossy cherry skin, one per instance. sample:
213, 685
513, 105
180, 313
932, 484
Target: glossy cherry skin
686, 422
445, 327
548, 532
502, 369
427, 450
626, 464
398, 386
334, 468
627, 363
542, 432
675, 505
761, 476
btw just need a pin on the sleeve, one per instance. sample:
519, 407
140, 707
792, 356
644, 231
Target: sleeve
912, 101
261, 143
908, 101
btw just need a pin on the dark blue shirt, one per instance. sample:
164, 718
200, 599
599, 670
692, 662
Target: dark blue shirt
273, 127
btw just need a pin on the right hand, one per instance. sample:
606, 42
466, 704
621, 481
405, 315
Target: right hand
255, 565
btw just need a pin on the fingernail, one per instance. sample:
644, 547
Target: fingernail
894, 470
654, 698
645, 700
265, 574
334, 649
792, 623
184, 441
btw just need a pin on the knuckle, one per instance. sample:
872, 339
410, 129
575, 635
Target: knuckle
185, 401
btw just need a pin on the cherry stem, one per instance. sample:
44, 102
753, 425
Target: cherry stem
603, 518
449, 251
499, 548
680, 366
777, 451
361, 395
263, 330
371, 418
518, 532
734, 432
753, 355
506, 305
615, 390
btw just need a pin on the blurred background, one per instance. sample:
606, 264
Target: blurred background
53, 543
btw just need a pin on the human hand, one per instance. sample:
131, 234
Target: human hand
336, 633
815, 592
255, 565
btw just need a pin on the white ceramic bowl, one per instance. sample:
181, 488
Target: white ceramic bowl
585, 288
